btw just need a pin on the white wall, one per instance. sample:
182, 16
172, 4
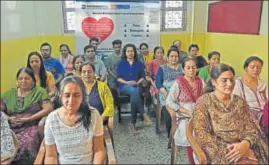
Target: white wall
30, 18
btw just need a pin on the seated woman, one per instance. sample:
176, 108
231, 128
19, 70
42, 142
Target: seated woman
25, 106
43, 78
165, 78
152, 69
130, 75
78, 60
66, 58
251, 88
7, 143
74, 132
223, 126
98, 93
199, 60
213, 58
145, 55
181, 99
264, 121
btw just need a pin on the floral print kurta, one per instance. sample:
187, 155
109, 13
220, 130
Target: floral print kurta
216, 125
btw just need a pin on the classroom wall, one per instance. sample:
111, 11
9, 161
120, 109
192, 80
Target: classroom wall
235, 48
35, 24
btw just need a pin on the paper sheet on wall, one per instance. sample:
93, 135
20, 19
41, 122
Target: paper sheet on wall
128, 21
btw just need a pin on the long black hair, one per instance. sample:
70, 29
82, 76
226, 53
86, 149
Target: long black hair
216, 71
29, 71
42, 71
124, 56
84, 108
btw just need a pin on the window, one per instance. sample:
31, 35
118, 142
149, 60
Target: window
173, 15
69, 16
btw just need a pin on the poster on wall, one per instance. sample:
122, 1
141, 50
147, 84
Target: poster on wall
130, 22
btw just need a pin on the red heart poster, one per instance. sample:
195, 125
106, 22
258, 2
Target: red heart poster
101, 28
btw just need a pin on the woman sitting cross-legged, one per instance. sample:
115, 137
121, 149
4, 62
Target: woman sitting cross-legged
74, 132
130, 75
98, 92
223, 126
43, 78
181, 99
25, 106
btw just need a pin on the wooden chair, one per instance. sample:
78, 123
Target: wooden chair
199, 153
16, 144
194, 145
110, 154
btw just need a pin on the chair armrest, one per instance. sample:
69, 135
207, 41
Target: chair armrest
40, 158
194, 145
111, 122
109, 147
41, 126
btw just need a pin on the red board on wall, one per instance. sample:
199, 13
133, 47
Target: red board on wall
235, 17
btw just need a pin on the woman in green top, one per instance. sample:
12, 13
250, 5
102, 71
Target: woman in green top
213, 58
25, 106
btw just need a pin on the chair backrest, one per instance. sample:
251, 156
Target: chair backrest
16, 145
194, 145
110, 154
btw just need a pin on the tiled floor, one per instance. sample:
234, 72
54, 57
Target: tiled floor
145, 148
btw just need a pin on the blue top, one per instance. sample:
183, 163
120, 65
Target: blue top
166, 76
95, 100
130, 72
54, 66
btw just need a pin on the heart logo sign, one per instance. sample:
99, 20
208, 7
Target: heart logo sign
101, 28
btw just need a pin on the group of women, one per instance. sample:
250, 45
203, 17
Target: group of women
229, 114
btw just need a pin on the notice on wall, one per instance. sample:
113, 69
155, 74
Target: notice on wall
130, 22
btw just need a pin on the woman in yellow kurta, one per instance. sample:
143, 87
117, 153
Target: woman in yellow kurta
223, 126
99, 94
43, 78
